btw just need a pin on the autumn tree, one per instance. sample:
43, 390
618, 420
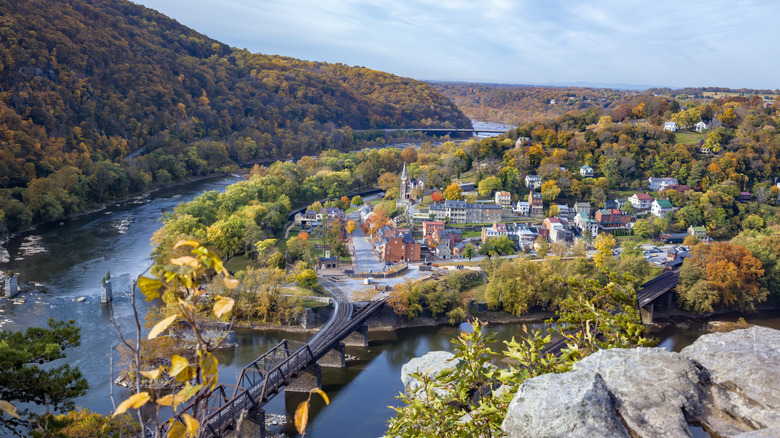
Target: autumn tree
721, 275
357, 200
604, 245
387, 181
453, 192
351, 226
550, 191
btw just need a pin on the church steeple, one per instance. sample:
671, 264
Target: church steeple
403, 173
403, 190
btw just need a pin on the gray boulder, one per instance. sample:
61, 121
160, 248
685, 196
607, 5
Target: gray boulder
655, 388
429, 365
744, 368
575, 404
727, 382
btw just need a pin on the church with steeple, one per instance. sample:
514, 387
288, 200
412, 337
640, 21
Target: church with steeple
408, 185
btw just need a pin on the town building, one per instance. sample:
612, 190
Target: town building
670, 126
564, 211
586, 171
616, 203
612, 219
661, 207
698, 232
306, 219
533, 182
701, 126
328, 213
446, 240
504, 199
553, 223
430, 227
658, 184
408, 185
498, 229
523, 208
586, 224
327, 262
399, 247
745, 196
461, 212
536, 204
522, 234
640, 201
582, 207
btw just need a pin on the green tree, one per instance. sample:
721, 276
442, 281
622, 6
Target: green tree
488, 185
469, 251
357, 200
29, 375
642, 229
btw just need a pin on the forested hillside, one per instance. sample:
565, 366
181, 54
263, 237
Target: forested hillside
517, 104
103, 98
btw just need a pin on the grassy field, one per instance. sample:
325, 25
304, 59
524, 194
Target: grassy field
720, 94
240, 263
689, 137
476, 293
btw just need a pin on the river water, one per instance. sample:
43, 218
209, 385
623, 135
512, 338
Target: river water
66, 261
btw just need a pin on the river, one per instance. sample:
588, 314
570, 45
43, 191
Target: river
66, 261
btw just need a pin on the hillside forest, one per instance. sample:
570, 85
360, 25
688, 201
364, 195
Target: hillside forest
102, 99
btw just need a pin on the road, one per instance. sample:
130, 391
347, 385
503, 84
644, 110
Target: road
364, 257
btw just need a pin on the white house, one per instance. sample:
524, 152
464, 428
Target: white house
701, 126
670, 126
566, 212
503, 199
586, 171
533, 182
661, 207
586, 224
656, 184
641, 201
523, 208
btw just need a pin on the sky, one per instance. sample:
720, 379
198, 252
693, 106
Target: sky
678, 43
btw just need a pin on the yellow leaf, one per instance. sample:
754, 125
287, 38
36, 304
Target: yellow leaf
223, 306
149, 287
161, 326
185, 261
135, 401
302, 416
178, 365
8, 408
192, 425
191, 243
189, 390
152, 374
172, 400
322, 393
208, 365
177, 429
230, 283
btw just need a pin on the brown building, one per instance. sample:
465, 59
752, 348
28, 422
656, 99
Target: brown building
536, 203
431, 227
400, 247
612, 219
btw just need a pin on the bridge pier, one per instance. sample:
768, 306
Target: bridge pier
335, 358
307, 380
358, 338
647, 314
253, 425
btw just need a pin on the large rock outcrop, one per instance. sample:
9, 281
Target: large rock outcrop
727, 382
430, 366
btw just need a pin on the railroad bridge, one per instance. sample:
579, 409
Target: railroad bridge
282, 368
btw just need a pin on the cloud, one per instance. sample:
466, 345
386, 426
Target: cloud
656, 43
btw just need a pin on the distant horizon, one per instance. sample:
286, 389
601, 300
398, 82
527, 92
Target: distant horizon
711, 43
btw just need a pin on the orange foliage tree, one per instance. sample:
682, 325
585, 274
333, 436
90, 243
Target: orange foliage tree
721, 275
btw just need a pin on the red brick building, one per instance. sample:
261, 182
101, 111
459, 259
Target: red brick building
399, 248
431, 227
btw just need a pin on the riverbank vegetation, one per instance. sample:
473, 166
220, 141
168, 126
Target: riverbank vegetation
472, 397
104, 99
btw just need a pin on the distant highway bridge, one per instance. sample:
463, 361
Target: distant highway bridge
442, 131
